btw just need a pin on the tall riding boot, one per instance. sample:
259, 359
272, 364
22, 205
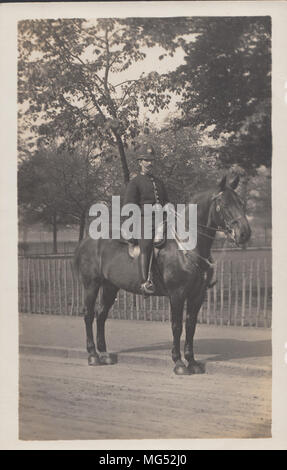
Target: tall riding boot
147, 286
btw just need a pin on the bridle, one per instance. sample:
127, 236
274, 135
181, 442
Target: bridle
227, 229
222, 208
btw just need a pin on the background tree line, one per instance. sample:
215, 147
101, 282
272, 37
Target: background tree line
80, 121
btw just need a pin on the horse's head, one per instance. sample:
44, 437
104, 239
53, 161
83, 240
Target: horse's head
227, 212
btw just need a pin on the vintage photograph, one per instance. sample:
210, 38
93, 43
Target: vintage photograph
124, 335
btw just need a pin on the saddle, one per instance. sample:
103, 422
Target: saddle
159, 242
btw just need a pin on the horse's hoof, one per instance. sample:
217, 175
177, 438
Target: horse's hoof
181, 369
108, 359
196, 368
94, 360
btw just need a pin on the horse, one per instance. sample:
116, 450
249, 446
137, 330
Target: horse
182, 275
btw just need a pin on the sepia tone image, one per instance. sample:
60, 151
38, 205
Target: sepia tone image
124, 336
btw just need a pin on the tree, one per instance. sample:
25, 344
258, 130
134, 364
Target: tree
259, 201
39, 193
58, 187
226, 86
65, 85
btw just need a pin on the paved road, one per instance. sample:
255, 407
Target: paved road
140, 397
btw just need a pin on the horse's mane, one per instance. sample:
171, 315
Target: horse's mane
203, 200
203, 197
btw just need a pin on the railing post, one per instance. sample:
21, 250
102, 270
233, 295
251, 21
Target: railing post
229, 292
258, 292
265, 293
29, 286
243, 293
215, 299
250, 291
236, 294
221, 292
73, 288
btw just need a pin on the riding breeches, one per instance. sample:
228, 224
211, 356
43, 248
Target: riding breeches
145, 245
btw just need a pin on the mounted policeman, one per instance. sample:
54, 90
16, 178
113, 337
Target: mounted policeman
146, 188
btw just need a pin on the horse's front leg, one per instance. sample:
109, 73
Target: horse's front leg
192, 309
177, 303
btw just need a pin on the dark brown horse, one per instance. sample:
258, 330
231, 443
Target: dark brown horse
182, 276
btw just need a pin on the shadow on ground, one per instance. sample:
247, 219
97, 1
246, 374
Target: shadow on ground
219, 349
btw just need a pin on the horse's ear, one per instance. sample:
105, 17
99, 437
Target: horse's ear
235, 182
222, 183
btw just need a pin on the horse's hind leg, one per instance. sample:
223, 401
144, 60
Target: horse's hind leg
177, 304
91, 293
192, 309
108, 298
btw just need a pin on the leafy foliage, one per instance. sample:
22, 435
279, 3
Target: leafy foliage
58, 187
64, 80
226, 86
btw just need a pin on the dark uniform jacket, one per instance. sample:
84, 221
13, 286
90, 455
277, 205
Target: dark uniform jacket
140, 190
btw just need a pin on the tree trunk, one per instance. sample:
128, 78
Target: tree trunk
125, 168
82, 226
87, 220
55, 232
244, 190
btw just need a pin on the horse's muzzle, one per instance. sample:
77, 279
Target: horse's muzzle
241, 232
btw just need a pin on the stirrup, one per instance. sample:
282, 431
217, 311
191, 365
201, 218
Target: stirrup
147, 287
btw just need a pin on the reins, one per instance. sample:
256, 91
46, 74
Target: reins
226, 230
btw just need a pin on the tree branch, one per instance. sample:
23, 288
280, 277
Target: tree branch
122, 83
